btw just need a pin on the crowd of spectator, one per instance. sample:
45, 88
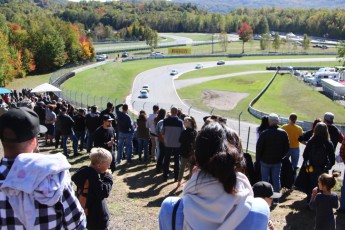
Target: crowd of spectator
213, 156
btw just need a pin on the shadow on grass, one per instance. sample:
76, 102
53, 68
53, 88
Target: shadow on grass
144, 182
300, 217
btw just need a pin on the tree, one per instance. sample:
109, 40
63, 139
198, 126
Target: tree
245, 32
151, 37
341, 52
305, 42
265, 41
276, 42
262, 27
223, 41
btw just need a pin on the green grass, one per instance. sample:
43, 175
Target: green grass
285, 95
28, 82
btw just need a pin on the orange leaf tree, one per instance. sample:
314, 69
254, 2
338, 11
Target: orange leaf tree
245, 32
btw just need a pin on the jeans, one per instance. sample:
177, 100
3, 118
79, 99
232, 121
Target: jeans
143, 144
75, 143
90, 138
294, 154
271, 171
125, 139
161, 157
168, 152
80, 136
157, 148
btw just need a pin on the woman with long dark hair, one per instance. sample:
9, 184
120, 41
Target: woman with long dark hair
218, 195
318, 156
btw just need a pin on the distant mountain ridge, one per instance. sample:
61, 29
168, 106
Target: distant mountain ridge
224, 6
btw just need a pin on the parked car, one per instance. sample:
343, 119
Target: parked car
220, 62
143, 94
173, 72
146, 87
199, 66
156, 54
125, 54
100, 57
324, 47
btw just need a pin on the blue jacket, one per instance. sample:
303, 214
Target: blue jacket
257, 218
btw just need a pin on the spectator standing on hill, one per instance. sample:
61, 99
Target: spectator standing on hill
50, 123
92, 123
40, 110
187, 140
94, 183
66, 124
263, 126
171, 130
334, 133
126, 130
34, 183
80, 127
265, 191
318, 156
219, 195
324, 202
305, 137
143, 136
105, 138
342, 190
110, 111
153, 135
159, 123
272, 146
294, 131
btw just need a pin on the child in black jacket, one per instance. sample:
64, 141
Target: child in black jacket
94, 183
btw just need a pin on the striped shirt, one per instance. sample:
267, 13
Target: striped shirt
65, 214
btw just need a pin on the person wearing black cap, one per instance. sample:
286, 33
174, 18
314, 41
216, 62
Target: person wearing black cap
25, 175
272, 146
105, 138
66, 124
334, 133
265, 191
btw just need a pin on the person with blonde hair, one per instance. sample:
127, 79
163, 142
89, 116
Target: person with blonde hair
94, 183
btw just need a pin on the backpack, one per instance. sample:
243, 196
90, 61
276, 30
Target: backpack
318, 155
82, 193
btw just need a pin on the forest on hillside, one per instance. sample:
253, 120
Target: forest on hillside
164, 16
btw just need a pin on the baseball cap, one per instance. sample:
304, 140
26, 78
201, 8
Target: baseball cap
19, 125
329, 117
273, 117
106, 117
265, 189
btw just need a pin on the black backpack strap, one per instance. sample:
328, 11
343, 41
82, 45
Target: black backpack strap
173, 220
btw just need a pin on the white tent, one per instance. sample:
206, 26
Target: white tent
45, 88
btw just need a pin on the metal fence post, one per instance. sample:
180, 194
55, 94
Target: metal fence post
239, 123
